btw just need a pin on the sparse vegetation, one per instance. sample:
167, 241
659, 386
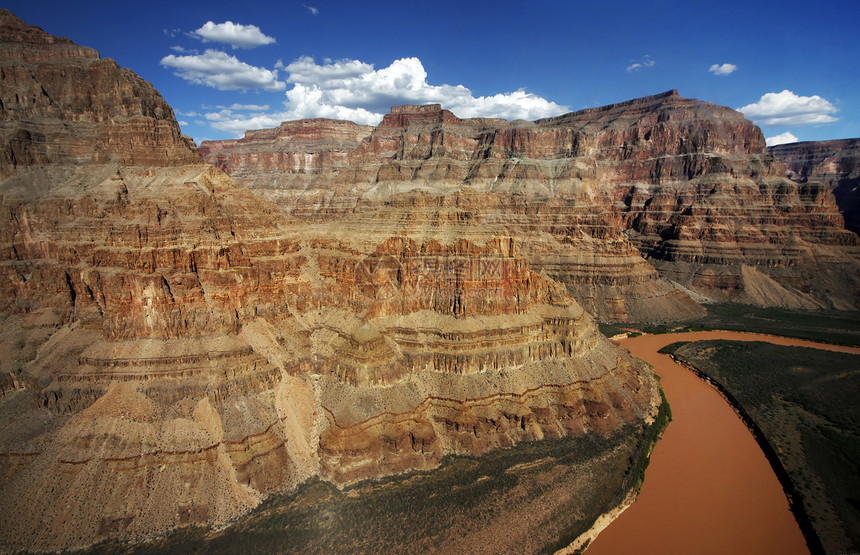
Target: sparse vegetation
830, 326
611, 329
533, 497
837, 327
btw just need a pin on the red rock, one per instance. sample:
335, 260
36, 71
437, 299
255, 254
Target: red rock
178, 348
687, 183
119, 117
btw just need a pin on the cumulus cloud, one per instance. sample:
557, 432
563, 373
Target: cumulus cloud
356, 91
219, 70
781, 139
234, 34
312, 10
724, 69
646, 62
787, 108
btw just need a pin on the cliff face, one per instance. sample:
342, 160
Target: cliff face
178, 348
117, 117
304, 147
711, 210
835, 164
686, 184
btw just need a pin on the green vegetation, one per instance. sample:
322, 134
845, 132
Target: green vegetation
804, 401
837, 327
611, 329
533, 497
652, 435
672, 348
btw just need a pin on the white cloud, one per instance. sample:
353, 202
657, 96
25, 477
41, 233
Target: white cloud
234, 34
182, 50
355, 91
311, 9
781, 139
333, 75
181, 122
646, 61
786, 108
171, 32
725, 69
217, 69
357, 86
249, 107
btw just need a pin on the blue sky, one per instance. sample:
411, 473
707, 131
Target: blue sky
230, 66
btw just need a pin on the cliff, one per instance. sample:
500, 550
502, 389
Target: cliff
835, 164
118, 117
304, 146
642, 209
177, 348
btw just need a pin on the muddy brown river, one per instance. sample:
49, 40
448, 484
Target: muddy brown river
708, 488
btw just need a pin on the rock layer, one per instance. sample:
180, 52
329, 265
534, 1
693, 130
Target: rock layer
48, 118
836, 164
688, 184
179, 348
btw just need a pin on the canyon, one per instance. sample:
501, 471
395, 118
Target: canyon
188, 332
642, 209
177, 348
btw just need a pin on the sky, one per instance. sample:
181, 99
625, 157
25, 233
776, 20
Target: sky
225, 67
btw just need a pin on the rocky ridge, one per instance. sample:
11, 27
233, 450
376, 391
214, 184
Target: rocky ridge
125, 119
179, 348
685, 184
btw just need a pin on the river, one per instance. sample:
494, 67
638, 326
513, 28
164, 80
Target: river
708, 488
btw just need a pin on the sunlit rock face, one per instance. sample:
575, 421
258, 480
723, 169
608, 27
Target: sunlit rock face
642, 209
176, 348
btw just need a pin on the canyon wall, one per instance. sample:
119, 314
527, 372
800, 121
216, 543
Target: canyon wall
836, 164
642, 209
178, 348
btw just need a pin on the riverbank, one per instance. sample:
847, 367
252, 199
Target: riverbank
637, 471
705, 463
800, 404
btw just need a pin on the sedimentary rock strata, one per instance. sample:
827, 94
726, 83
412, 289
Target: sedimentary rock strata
177, 348
836, 164
48, 118
687, 184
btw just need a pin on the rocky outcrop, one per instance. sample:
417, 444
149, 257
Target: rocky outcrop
48, 118
836, 164
714, 213
687, 184
179, 348
309, 146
